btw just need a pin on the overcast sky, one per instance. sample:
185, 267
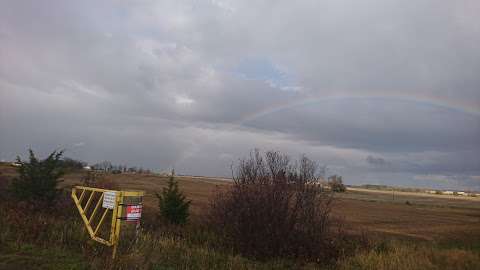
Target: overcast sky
380, 91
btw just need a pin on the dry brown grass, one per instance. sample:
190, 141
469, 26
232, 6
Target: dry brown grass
402, 220
419, 197
406, 257
444, 232
426, 218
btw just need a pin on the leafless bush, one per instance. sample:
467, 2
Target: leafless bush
335, 182
275, 208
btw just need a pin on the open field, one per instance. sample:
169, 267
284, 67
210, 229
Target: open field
434, 230
424, 217
421, 197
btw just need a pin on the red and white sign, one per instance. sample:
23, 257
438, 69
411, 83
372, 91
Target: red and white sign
134, 212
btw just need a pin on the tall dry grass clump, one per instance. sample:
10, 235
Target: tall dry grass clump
407, 256
276, 208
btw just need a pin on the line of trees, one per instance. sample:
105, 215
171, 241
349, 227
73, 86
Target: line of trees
107, 166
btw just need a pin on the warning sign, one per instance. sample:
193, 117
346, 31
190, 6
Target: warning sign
109, 199
134, 212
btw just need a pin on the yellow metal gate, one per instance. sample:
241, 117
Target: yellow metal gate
107, 202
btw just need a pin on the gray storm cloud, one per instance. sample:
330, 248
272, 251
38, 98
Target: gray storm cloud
196, 84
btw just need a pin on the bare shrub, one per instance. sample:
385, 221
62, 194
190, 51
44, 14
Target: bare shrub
275, 208
335, 182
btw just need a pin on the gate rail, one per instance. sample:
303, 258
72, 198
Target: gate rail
115, 205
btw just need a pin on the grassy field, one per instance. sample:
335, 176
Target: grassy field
425, 217
414, 231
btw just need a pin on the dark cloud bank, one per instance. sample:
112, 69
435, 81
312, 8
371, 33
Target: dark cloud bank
383, 92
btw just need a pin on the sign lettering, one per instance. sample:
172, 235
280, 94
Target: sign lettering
134, 212
109, 199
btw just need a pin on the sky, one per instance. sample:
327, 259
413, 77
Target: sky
379, 91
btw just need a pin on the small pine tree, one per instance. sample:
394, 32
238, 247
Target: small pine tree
173, 205
38, 179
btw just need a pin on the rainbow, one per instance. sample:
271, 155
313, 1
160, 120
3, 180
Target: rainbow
464, 107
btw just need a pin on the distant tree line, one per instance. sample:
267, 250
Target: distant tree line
107, 166
71, 164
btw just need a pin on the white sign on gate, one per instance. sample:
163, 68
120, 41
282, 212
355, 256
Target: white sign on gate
109, 199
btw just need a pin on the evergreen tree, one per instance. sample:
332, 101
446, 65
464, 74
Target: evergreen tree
38, 179
173, 205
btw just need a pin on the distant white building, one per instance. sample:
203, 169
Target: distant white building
15, 164
461, 193
448, 192
87, 168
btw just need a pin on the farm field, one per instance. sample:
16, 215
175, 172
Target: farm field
406, 214
436, 227
420, 197
425, 217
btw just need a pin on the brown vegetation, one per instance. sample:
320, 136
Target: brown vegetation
276, 209
429, 217
431, 233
